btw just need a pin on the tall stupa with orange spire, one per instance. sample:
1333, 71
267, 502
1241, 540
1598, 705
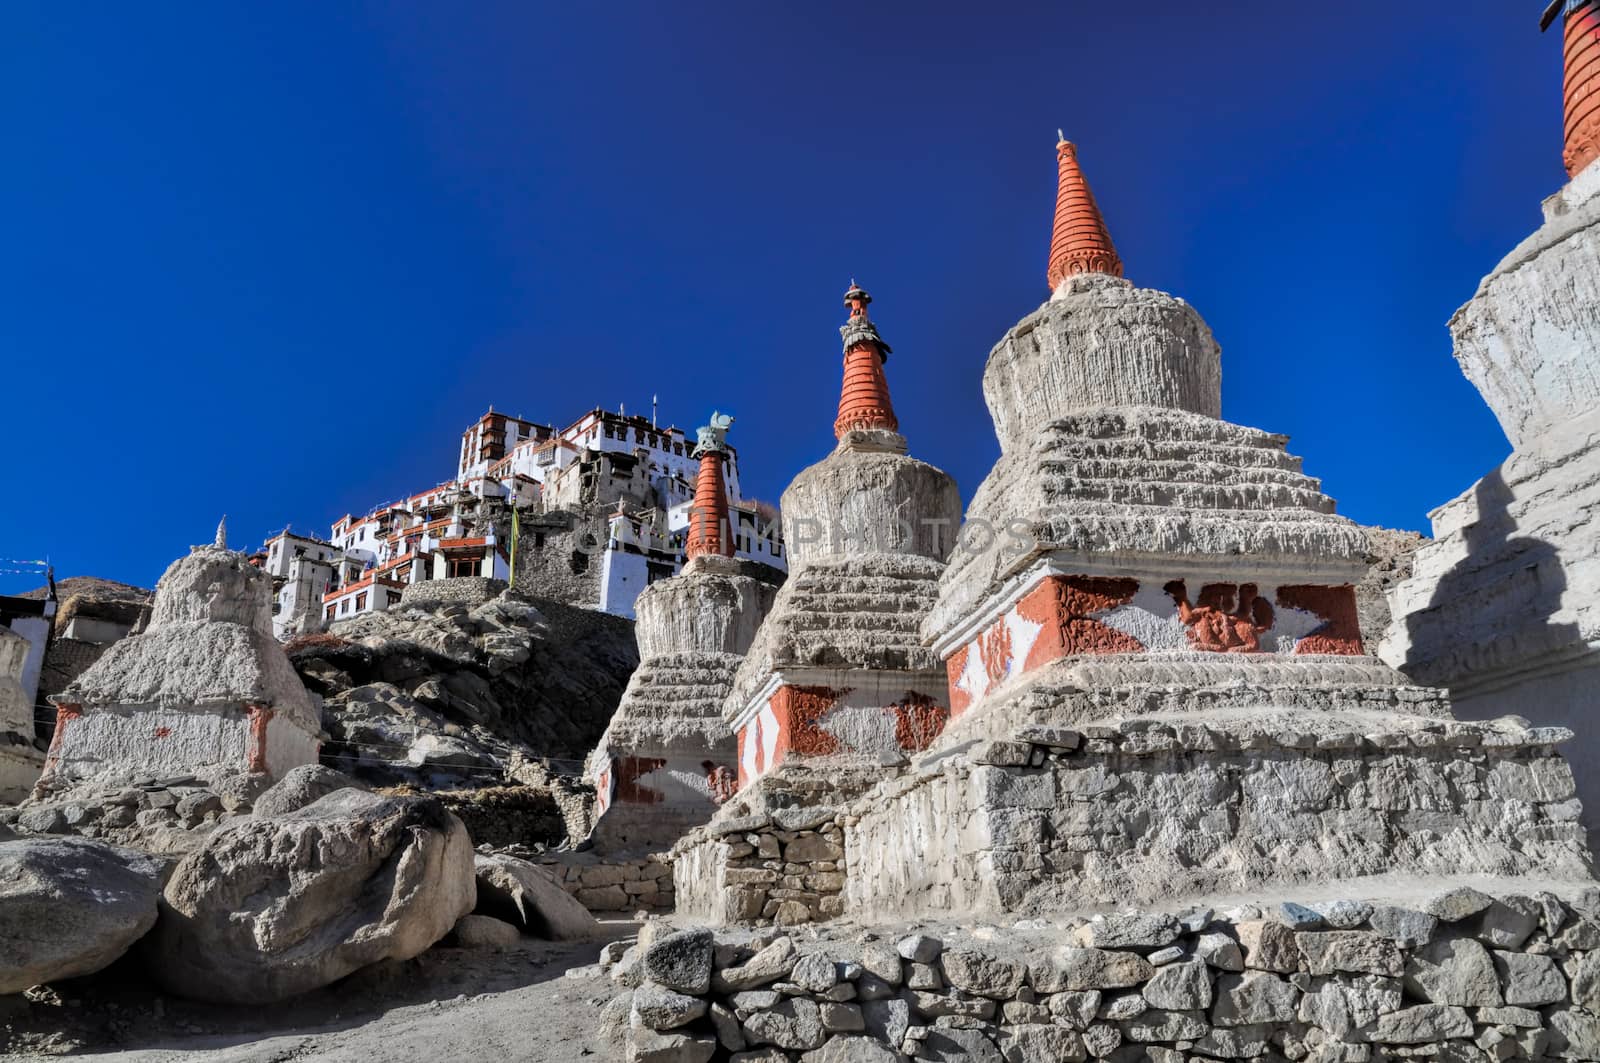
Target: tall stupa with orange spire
667, 760
837, 688
1164, 584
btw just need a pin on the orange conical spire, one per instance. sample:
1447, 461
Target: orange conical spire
1581, 86
709, 532
864, 399
1079, 243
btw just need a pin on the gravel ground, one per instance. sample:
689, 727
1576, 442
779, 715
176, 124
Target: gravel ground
447, 1004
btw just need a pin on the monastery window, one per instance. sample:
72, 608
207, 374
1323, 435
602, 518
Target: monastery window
331, 608
579, 562
361, 601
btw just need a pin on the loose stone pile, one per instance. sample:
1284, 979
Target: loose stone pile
1464, 976
156, 815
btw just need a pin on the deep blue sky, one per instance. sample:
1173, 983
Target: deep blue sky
272, 259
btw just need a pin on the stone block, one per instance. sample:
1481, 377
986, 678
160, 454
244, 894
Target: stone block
1350, 951
794, 1023
1421, 1024
1253, 997
1268, 946
1528, 980
975, 971
1453, 970
1040, 1043
1070, 968
1179, 987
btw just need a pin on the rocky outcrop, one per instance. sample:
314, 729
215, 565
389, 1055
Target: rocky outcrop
1391, 555
268, 908
527, 896
448, 696
69, 907
300, 787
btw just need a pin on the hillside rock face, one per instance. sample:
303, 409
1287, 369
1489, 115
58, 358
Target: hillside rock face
1391, 553
444, 696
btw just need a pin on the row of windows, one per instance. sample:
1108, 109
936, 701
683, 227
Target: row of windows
360, 603
650, 439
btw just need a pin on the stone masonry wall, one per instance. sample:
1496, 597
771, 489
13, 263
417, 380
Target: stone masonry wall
1142, 810
613, 885
559, 557
470, 591
1463, 977
786, 868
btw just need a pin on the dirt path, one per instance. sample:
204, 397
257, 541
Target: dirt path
446, 1005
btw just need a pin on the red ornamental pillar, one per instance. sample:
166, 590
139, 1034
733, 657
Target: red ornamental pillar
65, 714
1581, 86
864, 399
1079, 240
708, 517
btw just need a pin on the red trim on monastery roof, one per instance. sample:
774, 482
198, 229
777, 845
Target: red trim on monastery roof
361, 584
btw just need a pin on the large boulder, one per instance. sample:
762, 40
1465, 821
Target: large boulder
69, 907
269, 908
300, 787
528, 896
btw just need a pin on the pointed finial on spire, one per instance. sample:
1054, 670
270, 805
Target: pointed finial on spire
1061, 136
1079, 241
864, 399
222, 533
